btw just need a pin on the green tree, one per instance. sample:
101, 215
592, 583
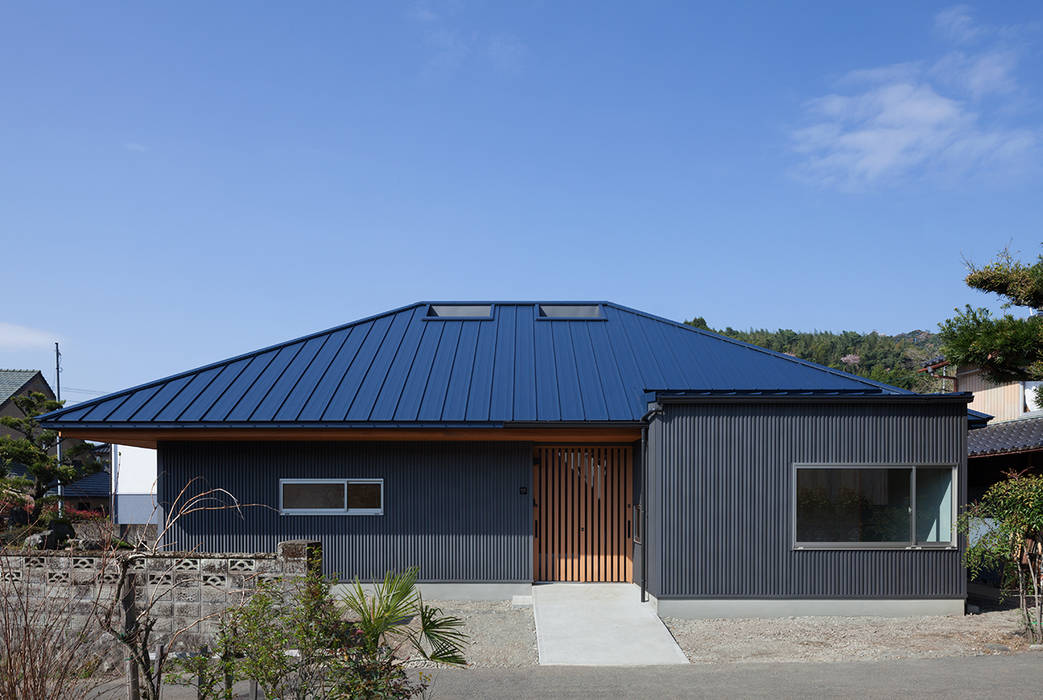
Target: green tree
1008, 523
889, 359
35, 450
1005, 347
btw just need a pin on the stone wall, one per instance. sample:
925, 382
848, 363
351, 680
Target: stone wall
184, 586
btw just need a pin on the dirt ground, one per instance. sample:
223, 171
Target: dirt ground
505, 637
821, 639
500, 636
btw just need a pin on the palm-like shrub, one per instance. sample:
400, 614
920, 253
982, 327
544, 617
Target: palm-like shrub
395, 617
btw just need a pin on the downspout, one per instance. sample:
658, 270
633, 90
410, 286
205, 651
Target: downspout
644, 501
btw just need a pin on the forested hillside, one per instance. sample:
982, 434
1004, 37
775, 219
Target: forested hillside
892, 359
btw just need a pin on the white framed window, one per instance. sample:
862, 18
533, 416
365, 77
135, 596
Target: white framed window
331, 496
873, 506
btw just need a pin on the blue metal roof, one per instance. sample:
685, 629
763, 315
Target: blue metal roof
408, 368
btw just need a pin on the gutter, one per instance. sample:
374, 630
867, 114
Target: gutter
663, 397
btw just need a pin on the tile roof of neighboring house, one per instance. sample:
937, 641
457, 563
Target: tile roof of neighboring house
12, 380
466, 363
96, 485
1020, 435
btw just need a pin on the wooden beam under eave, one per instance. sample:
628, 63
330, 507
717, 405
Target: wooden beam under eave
145, 437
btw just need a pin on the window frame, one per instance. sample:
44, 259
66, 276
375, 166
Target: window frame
912, 543
345, 483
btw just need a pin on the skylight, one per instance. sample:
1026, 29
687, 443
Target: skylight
460, 311
572, 311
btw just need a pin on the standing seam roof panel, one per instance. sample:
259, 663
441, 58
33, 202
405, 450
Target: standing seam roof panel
173, 410
501, 406
570, 397
208, 396
458, 391
608, 370
593, 393
297, 399
419, 377
525, 390
480, 390
227, 401
288, 380
348, 388
548, 405
633, 382
405, 366
104, 409
334, 375
442, 365
162, 397
365, 400
392, 388
264, 383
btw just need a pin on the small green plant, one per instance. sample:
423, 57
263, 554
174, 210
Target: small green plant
385, 618
1009, 521
212, 673
297, 640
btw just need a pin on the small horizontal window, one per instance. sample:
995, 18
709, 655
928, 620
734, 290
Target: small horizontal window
460, 311
865, 506
331, 496
575, 311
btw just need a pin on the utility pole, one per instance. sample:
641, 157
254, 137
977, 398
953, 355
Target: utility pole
58, 444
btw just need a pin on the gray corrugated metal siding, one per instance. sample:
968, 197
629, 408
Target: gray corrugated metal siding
721, 499
453, 509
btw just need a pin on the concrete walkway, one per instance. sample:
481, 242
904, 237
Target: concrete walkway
600, 624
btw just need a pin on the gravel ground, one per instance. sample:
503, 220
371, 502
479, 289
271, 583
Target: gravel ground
500, 636
811, 639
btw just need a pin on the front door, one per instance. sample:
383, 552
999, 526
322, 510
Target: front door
582, 512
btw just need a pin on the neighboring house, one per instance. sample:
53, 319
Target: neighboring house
134, 486
93, 492
499, 444
1013, 438
15, 382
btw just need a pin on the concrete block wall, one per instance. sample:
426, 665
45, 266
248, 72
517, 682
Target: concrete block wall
184, 586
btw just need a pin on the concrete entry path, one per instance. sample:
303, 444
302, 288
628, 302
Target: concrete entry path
600, 624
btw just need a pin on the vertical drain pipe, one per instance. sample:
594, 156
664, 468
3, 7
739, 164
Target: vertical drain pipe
644, 516
644, 500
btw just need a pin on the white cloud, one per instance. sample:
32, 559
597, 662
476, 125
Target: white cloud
957, 24
421, 12
450, 48
918, 119
15, 337
978, 74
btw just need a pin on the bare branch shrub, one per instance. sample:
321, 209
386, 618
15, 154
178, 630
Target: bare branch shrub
128, 613
46, 650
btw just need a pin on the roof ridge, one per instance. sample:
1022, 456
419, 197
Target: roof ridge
253, 353
750, 346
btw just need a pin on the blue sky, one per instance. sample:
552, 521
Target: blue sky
184, 182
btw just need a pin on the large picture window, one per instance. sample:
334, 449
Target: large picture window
331, 496
840, 506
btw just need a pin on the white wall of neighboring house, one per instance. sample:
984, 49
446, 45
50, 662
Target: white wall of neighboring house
1005, 401
134, 485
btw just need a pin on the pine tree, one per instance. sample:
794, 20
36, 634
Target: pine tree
1006, 348
35, 450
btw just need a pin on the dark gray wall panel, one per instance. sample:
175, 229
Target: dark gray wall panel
453, 509
721, 496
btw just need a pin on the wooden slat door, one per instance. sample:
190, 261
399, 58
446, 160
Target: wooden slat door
582, 500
